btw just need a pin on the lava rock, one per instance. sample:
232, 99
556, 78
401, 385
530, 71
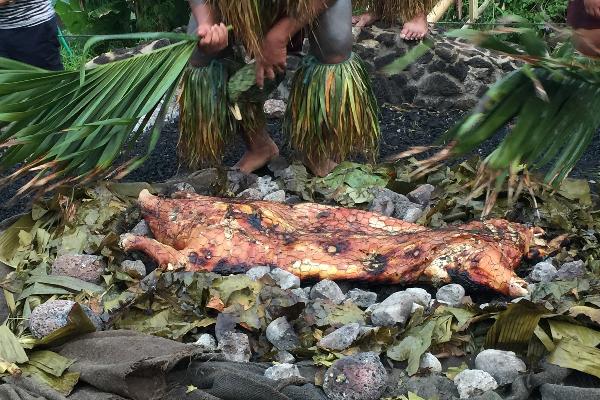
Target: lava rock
282, 371
428, 387
277, 197
281, 335
135, 269
207, 342
421, 195
141, 229
420, 296
266, 185
438, 84
358, 377
559, 392
251, 194
88, 268
235, 346
255, 273
543, 272
341, 338
183, 187
431, 363
389, 203
571, 270
327, 290
54, 314
361, 298
412, 214
238, 181
473, 382
503, 366
285, 357
274, 109
452, 294
396, 309
285, 280
487, 396
301, 294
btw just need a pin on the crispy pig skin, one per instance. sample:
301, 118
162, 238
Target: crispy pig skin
314, 241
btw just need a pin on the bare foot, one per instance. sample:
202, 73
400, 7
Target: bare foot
416, 28
261, 149
364, 20
320, 167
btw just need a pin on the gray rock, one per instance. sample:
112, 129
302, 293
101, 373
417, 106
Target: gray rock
207, 342
266, 185
571, 270
559, 392
285, 279
431, 363
277, 197
341, 338
274, 108
235, 347
141, 229
255, 273
135, 269
420, 296
412, 214
474, 382
389, 203
238, 181
327, 290
278, 165
302, 295
543, 272
53, 315
251, 194
358, 377
361, 298
428, 387
421, 195
285, 357
4, 311
88, 268
281, 335
396, 309
452, 294
183, 187
282, 371
487, 396
503, 366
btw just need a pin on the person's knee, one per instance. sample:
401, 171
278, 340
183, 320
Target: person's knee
587, 41
331, 38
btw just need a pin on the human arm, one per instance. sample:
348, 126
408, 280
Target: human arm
213, 36
592, 7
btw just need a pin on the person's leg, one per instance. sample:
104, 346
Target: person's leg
586, 29
332, 111
416, 28
38, 45
260, 147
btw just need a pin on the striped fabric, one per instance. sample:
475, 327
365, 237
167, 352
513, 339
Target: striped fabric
25, 13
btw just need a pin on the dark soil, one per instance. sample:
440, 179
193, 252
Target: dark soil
401, 129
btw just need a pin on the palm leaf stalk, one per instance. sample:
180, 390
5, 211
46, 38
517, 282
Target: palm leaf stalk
332, 111
550, 105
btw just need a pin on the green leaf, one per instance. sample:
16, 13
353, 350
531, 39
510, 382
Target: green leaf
50, 362
10, 348
413, 346
575, 355
586, 336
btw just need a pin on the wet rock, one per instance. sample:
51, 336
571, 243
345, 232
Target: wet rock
255, 273
452, 294
473, 382
135, 269
361, 298
235, 347
327, 290
431, 363
284, 357
396, 309
207, 342
503, 366
53, 315
277, 197
281, 335
251, 194
571, 270
266, 185
282, 371
559, 392
358, 377
285, 279
341, 338
421, 195
420, 296
88, 268
543, 272
141, 229
274, 109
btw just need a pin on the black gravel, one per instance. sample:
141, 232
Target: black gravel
401, 129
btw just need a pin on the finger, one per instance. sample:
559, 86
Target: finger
270, 73
202, 31
260, 75
224, 36
404, 34
207, 39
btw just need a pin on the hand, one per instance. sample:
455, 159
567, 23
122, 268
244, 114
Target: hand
273, 57
6, 2
592, 7
212, 38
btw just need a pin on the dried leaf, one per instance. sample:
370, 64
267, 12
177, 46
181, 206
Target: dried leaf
50, 362
515, 327
586, 336
10, 349
453, 371
63, 384
575, 355
591, 313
